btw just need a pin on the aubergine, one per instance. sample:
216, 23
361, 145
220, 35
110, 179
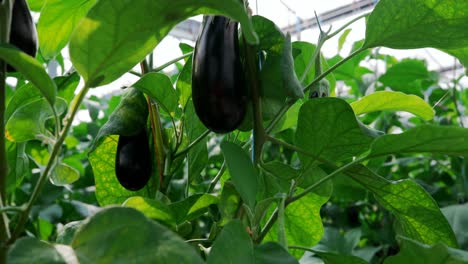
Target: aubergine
23, 32
133, 161
219, 90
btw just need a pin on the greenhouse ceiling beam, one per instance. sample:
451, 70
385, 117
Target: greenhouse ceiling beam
332, 15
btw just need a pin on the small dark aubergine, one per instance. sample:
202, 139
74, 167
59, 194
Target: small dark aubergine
219, 90
133, 161
23, 32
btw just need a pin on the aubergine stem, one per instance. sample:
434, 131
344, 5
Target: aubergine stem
74, 107
259, 130
6, 7
156, 130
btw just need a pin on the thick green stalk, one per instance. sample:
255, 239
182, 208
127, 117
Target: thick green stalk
259, 130
5, 22
74, 107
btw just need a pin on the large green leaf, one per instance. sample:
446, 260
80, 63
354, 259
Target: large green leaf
410, 76
333, 258
417, 253
116, 35
425, 138
28, 250
57, 21
393, 101
28, 121
31, 69
327, 127
159, 87
233, 245
124, 235
243, 173
407, 24
419, 216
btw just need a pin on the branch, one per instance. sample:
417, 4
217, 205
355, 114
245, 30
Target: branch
74, 107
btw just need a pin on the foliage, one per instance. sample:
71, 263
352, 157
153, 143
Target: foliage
376, 173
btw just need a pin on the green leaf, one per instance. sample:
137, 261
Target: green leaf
409, 76
28, 121
303, 222
393, 101
277, 76
18, 161
23, 95
197, 157
31, 69
457, 216
334, 241
192, 207
408, 24
342, 39
461, 54
63, 175
159, 87
28, 249
57, 21
124, 235
115, 36
243, 173
233, 245
417, 253
426, 138
67, 232
418, 215
35, 5
153, 209
327, 128
229, 202
273, 253
184, 83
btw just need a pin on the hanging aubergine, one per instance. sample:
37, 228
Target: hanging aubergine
133, 161
219, 90
23, 32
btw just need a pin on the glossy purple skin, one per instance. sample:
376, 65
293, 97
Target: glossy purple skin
219, 90
133, 161
23, 32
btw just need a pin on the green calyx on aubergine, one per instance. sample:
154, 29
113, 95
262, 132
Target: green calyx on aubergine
219, 90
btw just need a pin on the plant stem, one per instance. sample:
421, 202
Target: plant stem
74, 107
5, 22
165, 65
192, 144
156, 130
258, 131
11, 208
332, 68
346, 25
217, 177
